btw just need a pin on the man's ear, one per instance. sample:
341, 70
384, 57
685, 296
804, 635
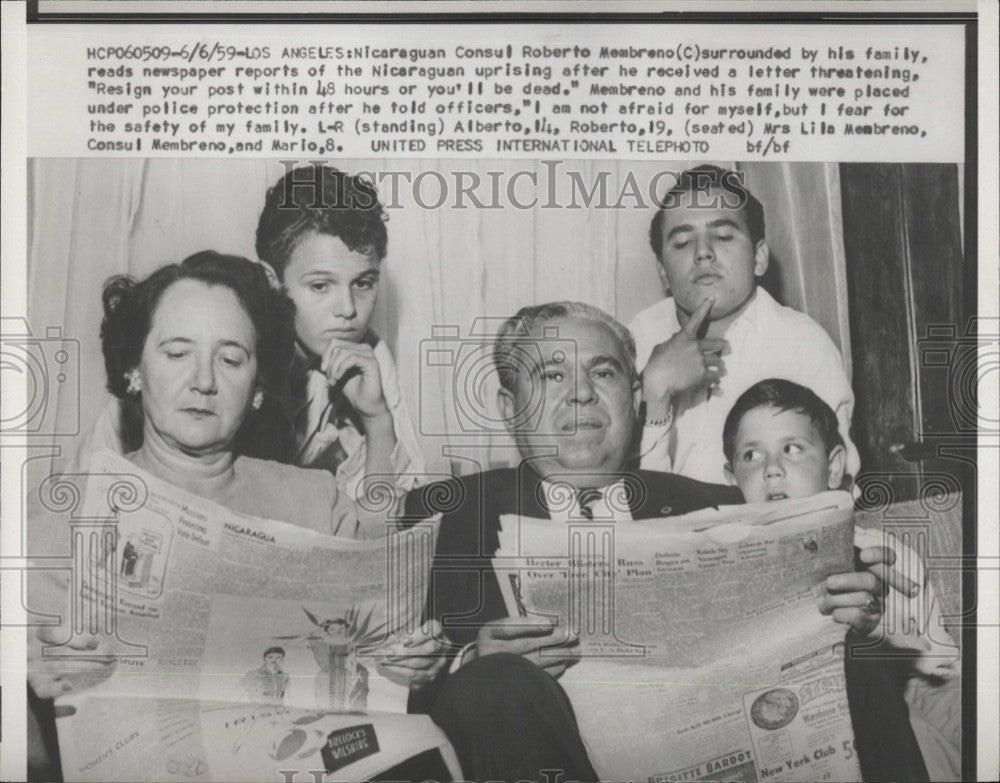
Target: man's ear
837, 463
507, 406
636, 393
730, 476
761, 258
272, 276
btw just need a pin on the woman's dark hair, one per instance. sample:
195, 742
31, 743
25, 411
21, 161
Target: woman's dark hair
129, 306
318, 199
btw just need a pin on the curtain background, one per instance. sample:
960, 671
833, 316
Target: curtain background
446, 266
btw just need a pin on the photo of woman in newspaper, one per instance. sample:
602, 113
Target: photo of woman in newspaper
268, 683
774, 709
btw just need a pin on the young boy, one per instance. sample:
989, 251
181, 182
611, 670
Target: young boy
322, 232
781, 441
718, 333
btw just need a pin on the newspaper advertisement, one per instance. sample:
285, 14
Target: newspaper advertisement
731, 676
183, 739
520, 153
215, 608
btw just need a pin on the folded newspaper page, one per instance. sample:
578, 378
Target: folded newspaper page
191, 740
206, 605
704, 656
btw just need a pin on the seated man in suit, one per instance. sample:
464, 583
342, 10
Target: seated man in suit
569, 396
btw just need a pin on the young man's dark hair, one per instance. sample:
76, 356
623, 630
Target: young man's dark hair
702, 179
782, 395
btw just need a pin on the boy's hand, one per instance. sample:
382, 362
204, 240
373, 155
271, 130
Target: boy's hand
355, 368
683, 362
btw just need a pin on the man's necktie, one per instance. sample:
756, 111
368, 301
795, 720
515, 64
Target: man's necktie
586, 499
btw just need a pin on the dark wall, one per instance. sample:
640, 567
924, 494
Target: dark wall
909, 329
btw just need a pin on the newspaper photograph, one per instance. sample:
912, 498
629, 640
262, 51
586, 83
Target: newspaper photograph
532, 392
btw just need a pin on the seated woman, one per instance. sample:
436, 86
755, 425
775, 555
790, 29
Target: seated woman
336, 404
193, 350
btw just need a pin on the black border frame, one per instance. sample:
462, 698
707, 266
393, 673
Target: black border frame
34, 15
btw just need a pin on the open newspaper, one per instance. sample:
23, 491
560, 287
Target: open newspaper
240, 642
704, 656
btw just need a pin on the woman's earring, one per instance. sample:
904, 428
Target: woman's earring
258, 399
134, 381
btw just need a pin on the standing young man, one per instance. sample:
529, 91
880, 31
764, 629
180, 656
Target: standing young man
718, 332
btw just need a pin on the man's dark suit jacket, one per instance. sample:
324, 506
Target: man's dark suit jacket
464, 590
